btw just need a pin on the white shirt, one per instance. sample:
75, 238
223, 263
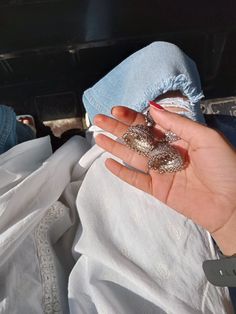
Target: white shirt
131, 253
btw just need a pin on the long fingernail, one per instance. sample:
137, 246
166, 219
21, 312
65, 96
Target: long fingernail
155, 105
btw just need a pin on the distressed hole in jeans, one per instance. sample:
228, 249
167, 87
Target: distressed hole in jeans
174, 101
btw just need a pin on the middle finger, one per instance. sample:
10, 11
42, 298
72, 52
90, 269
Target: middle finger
122, 152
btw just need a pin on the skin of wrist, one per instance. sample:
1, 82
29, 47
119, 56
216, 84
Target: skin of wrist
225, 237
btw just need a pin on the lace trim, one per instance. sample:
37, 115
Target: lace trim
51, 299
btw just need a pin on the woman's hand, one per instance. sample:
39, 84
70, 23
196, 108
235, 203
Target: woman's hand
205, 191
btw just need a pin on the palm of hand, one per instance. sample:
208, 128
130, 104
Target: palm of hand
202, 191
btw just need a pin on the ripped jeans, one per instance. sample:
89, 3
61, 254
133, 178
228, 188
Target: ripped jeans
145, 75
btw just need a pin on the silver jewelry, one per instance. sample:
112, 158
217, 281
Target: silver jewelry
170, 137
140, 139
161, 155
149, 120
165, 158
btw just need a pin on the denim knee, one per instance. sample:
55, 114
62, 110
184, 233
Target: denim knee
146, 74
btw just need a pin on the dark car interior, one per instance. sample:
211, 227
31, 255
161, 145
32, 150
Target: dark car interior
52, 50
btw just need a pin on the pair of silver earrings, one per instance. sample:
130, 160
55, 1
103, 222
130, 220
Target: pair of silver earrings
161, 155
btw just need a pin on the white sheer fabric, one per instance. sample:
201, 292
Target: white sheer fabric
132, 254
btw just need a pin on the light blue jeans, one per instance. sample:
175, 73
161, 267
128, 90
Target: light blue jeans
12, 132
146, 74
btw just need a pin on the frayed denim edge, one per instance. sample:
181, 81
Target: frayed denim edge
174, 83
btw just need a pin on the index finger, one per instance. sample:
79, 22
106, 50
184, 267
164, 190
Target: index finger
127, 115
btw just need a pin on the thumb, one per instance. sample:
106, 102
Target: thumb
188, 130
